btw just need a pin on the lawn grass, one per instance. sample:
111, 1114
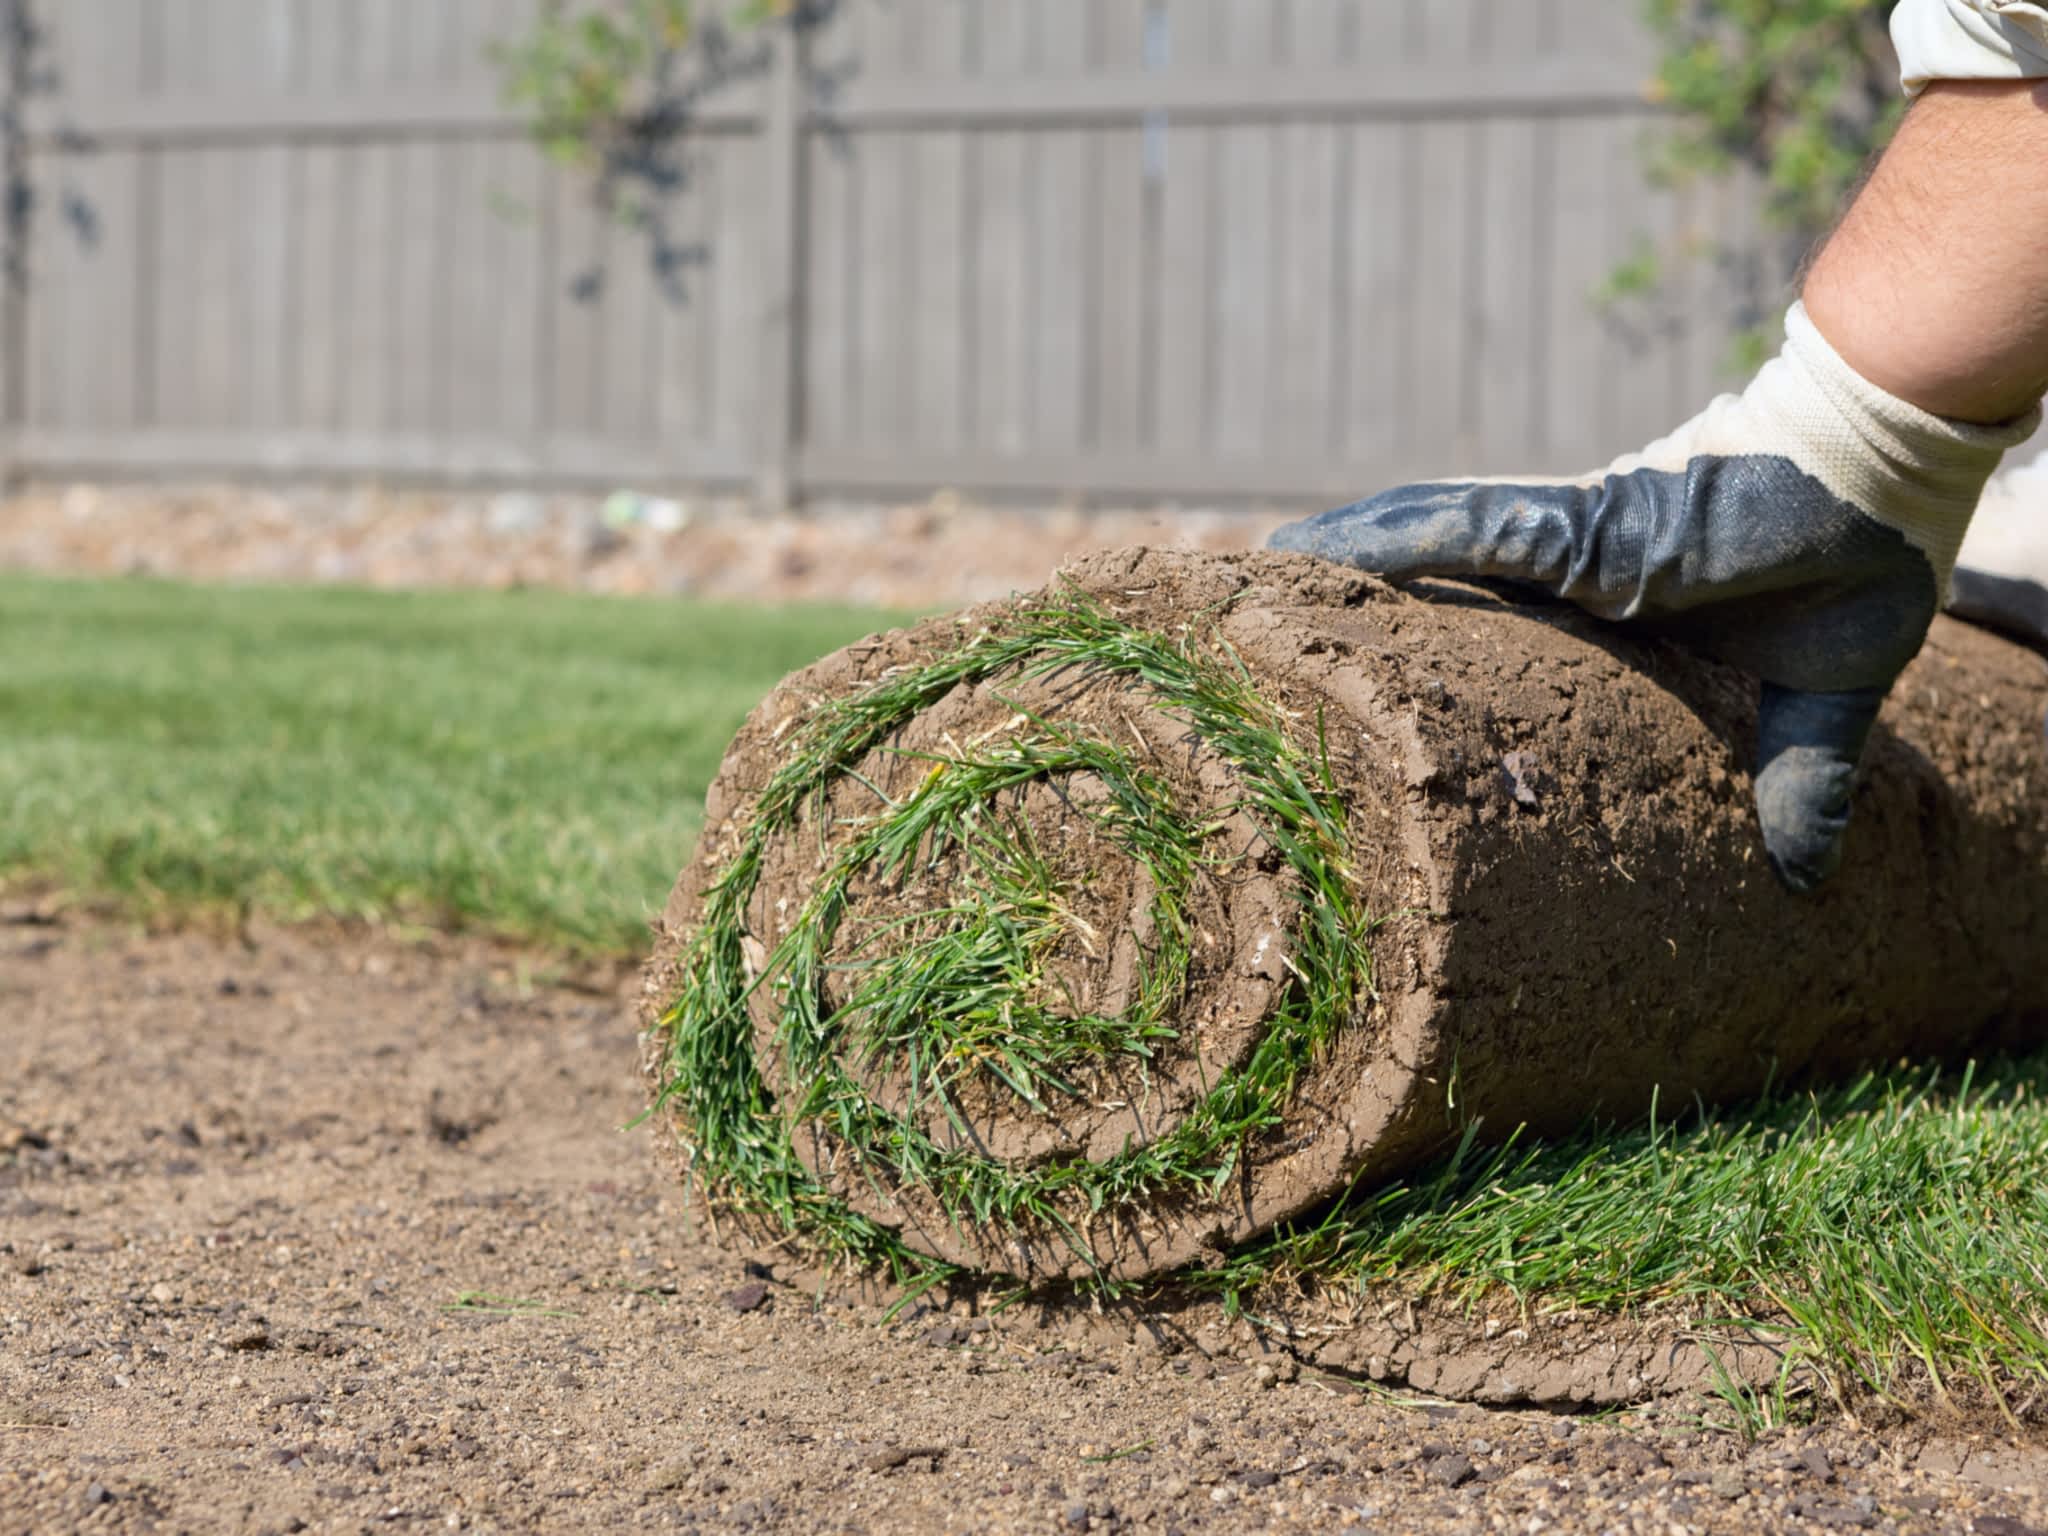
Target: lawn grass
533, 765
1896, 1227
528, 764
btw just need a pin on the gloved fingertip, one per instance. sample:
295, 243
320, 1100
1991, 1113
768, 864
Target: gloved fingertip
1809, 746
1319, 535
1802, 802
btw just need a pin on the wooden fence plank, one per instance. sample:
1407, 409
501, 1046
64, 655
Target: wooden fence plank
830, 275
1185, 327
1581, 429
1125, 204
730, 295
1000, 355
881, 384
571, 308
938, 314
1383, 330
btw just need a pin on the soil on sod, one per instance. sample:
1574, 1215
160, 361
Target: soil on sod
324, 1232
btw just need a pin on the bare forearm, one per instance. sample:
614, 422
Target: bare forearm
1935, 286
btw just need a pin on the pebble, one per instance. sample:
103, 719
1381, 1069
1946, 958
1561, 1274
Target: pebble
747, 1298
1077, 1515
1453, 1471
1270, 1373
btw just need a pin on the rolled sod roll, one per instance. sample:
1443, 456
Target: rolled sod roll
1098, 931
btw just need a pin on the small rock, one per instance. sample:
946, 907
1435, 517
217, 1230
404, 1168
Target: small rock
28, 1264
162, 1294
1260, 1477
1524, 778
1453, 1471
1727, 1483
246, 1339
1077, 1515
1837, 1516
1271, 1372
98, 1493
1816, 1461
749, 1297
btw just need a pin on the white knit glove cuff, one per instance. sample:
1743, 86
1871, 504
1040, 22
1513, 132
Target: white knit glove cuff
1913, 471
1969, 40
1909, 469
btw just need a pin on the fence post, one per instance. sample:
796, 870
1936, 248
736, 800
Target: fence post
781, 321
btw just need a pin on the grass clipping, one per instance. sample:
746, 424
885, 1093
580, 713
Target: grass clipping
961, 999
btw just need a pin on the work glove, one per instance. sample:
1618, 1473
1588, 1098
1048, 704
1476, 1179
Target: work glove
1804, 530
2001, 574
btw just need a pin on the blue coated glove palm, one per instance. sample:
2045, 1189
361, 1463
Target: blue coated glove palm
1804, 530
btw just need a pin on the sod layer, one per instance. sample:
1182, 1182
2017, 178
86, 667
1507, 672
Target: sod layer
1096, 932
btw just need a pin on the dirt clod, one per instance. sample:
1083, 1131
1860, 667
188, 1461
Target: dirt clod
750, 1297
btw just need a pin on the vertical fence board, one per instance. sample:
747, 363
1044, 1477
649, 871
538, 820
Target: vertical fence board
1115, 418
937, 313
738, 264
526, 278
1581, 432
573, 308
827, 374
886, 259
1063, 258
1379, 249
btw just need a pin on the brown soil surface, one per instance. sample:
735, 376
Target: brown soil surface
245, 1187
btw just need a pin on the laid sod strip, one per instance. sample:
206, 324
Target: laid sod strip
523, 763
953, 985
1898, 1226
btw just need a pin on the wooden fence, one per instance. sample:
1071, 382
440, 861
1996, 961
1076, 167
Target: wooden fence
1117, 248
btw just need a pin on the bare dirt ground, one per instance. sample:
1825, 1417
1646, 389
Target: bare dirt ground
312, 1231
